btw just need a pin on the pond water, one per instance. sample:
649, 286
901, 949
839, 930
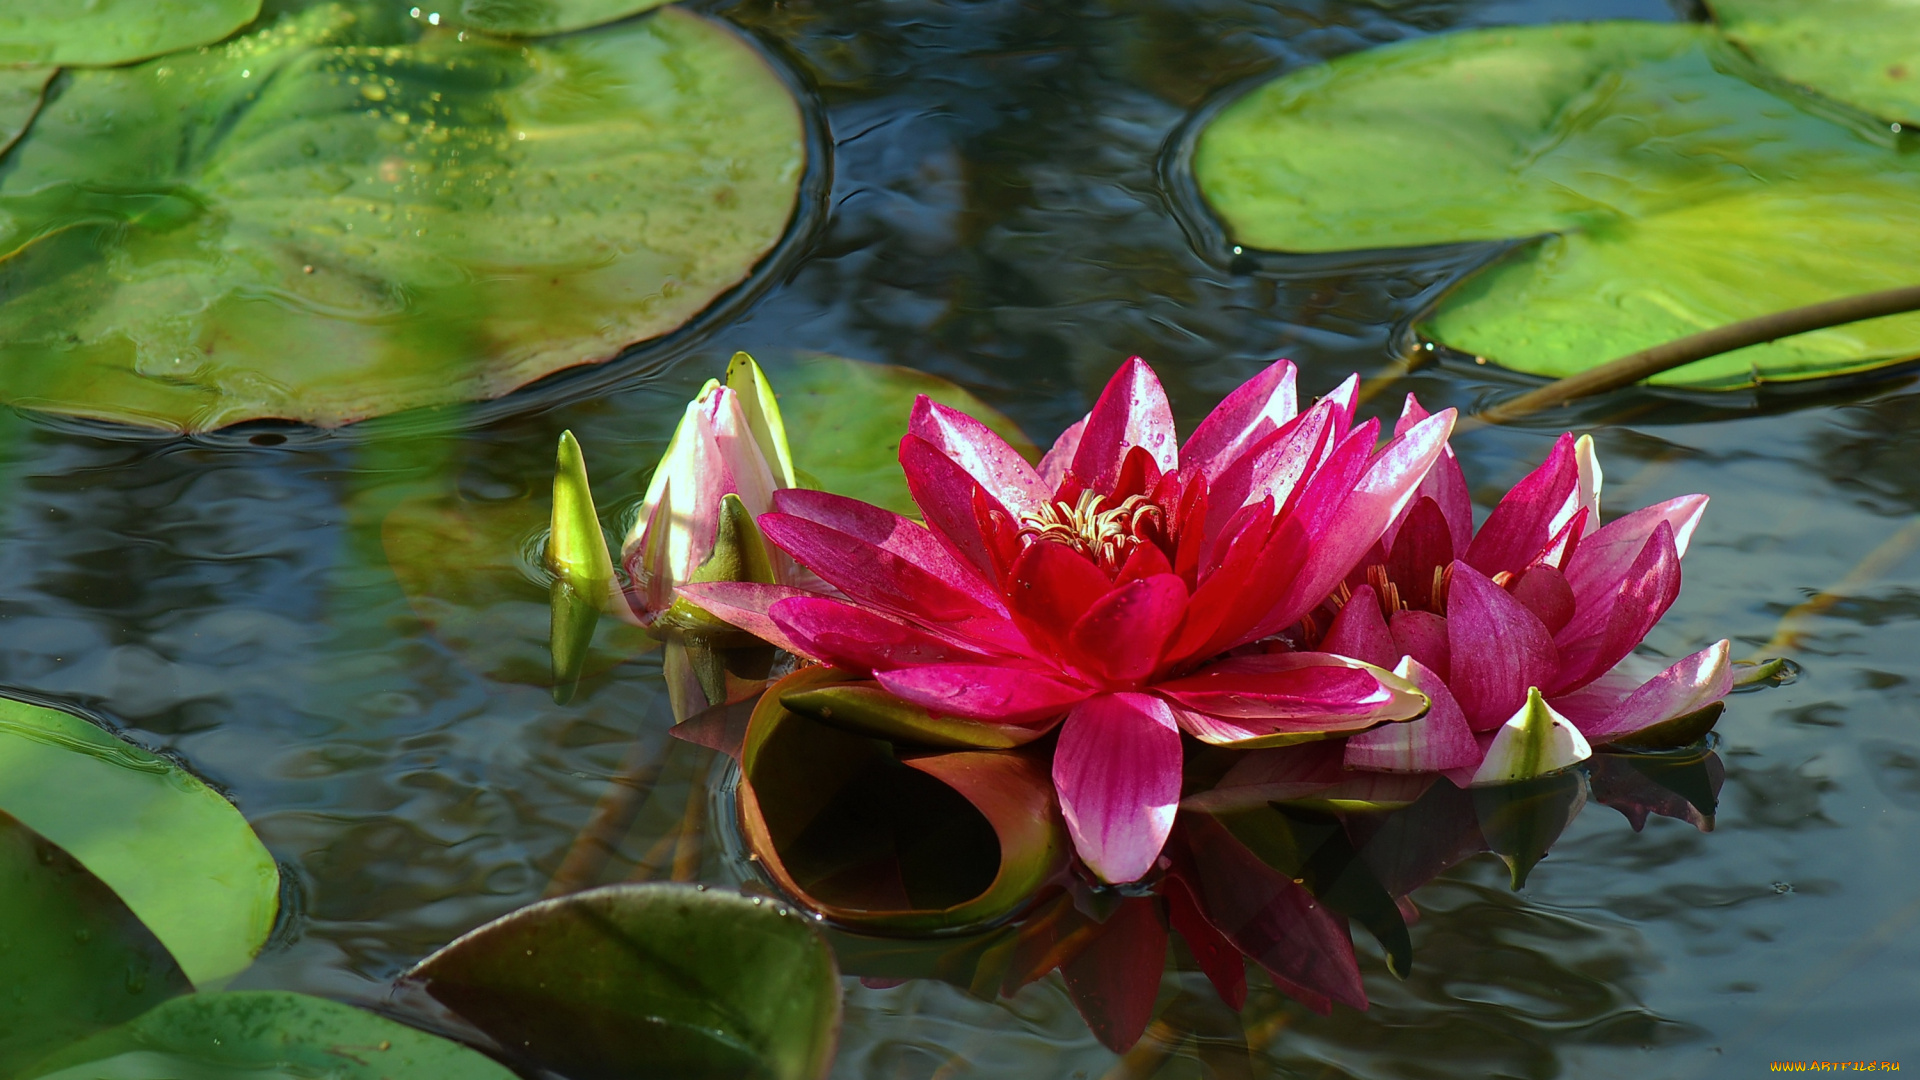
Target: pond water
998, 211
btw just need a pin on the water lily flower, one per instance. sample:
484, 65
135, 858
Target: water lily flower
1522, 633
1102, 591
722, 466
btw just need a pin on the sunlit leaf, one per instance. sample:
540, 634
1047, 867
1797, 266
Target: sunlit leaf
532, 17
845, 419
180, 856
73, 959
295, 224
114, 31
1682, 187
665, 980
465, 566
871, 840
21, 87
1864, 52
265, 1035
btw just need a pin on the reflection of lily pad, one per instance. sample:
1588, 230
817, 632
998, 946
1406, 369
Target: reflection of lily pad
114, 31
1865, 52
1681, 193
177, 853
458, 561
657, 980
67, 937
296, 224
265, 1035
845, 419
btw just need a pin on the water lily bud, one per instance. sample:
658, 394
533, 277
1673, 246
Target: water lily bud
1535, 742
576, 550
721, 468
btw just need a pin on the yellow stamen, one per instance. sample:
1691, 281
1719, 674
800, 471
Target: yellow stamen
1107, 536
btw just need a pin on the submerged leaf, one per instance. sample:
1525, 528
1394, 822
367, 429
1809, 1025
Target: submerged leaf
180, 856
296, 225
688, 982
114, 31
266, 1034
1683, 187
88, 961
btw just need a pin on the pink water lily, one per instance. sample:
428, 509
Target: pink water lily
1541, 605
1102, 590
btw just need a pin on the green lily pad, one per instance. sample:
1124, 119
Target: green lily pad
308, 224
73, 959
845, 419
528, 18
1681, 186
933, 842
21, 88
1864, 52
265, 1035
685, 981
180, 856
114, 31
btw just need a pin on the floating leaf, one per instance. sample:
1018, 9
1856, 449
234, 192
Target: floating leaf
73, 959
671, 980
180, 856
845, 419
266, 1035
21, 88
1865, 52
934, 842
1683, 187
114, 31
296, 225
527, 18
460, 562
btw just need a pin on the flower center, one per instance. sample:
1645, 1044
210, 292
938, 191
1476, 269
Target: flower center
1106, 535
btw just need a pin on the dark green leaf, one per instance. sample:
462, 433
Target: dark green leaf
73, 959
180, 856
665, 980
845, 419
1683, 189
934, 842
114, 31
265, 1035
297, 225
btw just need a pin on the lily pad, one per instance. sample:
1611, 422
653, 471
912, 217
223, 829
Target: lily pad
311, 224
114, 31
691, 982
1864, 52
21, 89
73, 959
902, 844
180, 856
1680, 186
529, 18
265, 1035
845, 419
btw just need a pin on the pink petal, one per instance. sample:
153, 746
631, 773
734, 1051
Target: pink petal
1519, 528
1272, 467
889, 532
1423, 546
1603, 558
1049, 587
1259, 406
1608, 628
1004, 695
1278, 697
1597, 700
985, 456
1389, 481
1436, 742
1058, 459
1497, 649
858, 639
1120, 637
746, 605
1132, 411
1117, 769
1345, 399
1691, 684
1445, 484
1545, 592
1423, 636
946, 495
1359, 631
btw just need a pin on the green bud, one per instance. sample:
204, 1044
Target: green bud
576, 549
